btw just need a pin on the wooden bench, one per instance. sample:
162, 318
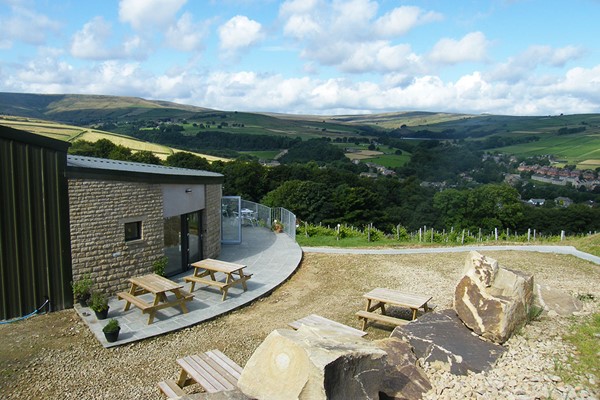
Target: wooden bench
212, 370
386, 319
170, 388
223, 286
150, 309
319, 321
135, 300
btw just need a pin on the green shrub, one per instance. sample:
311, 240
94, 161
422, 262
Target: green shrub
160, 265
98, 302
112, 326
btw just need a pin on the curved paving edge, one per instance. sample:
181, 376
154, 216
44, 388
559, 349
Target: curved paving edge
570, 250
271, 258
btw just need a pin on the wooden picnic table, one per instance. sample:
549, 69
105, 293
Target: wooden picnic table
158, 286
205, 273
380, 297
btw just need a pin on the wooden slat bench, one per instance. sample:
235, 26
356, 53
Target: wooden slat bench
135, 300
150, 309
212, 370
205, 273
170, 388
319, 321
385, 319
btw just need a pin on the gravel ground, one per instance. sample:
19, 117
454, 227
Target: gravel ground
55, 356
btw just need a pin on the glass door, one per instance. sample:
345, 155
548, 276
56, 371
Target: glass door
193, 222
231, 221
173, 245
183, 242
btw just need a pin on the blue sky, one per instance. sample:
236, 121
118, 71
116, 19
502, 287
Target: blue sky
516, 57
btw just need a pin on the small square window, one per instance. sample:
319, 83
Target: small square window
133, 231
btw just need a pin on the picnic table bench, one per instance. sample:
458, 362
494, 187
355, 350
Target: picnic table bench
159, 286
380, 297
319, 321
205, 273
212, 370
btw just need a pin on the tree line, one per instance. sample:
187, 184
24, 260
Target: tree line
328, 189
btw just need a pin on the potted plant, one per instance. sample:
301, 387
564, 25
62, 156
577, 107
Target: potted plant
82, 290
277, 226
111, 330
160, 265
99, 303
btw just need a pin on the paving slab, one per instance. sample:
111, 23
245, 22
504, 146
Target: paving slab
270, 257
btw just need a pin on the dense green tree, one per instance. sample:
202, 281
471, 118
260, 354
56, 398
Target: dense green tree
244, 178
313, 150
145, 156
310, 201
184, 159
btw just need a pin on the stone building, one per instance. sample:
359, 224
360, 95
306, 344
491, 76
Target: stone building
125, 216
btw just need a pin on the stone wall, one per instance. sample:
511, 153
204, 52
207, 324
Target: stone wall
98, 212
211, 222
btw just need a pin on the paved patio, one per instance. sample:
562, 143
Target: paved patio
270, 257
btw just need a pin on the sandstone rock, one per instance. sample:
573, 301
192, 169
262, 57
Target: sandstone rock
403, 379
228, 395
313, 363
441, 339
556, 301
491, 300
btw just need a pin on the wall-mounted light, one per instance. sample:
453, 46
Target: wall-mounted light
188, 190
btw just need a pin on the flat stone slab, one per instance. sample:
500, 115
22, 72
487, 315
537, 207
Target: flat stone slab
403, 378
441, 338
554, 300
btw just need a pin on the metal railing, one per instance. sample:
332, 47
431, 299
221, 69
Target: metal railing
266, 216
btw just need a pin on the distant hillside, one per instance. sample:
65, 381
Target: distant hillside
71, 133
88, 109
571, 139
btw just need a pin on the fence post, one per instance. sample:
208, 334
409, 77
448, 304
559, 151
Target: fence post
462, 241
496, 234
562, 235
420, 234
337, 236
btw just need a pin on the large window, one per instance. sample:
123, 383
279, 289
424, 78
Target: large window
133, 231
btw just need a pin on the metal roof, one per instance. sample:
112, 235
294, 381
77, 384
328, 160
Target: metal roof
82, 166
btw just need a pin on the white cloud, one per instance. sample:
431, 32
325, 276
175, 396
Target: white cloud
238, 33
25, 25
92, 42
402, 19
522, 65
186, 35
349, 35
149, 14
471, 47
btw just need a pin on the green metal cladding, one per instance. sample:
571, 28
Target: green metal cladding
35, 255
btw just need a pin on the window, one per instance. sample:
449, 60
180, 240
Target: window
133, 231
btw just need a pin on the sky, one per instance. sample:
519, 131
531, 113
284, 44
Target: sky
511, 57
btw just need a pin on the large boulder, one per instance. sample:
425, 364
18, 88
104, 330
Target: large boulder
313, 363
491, 300
403, 378
441, 340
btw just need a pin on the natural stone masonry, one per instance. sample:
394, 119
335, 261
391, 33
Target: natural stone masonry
98, 211
211, 222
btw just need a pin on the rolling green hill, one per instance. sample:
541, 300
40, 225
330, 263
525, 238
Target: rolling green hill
518, 135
